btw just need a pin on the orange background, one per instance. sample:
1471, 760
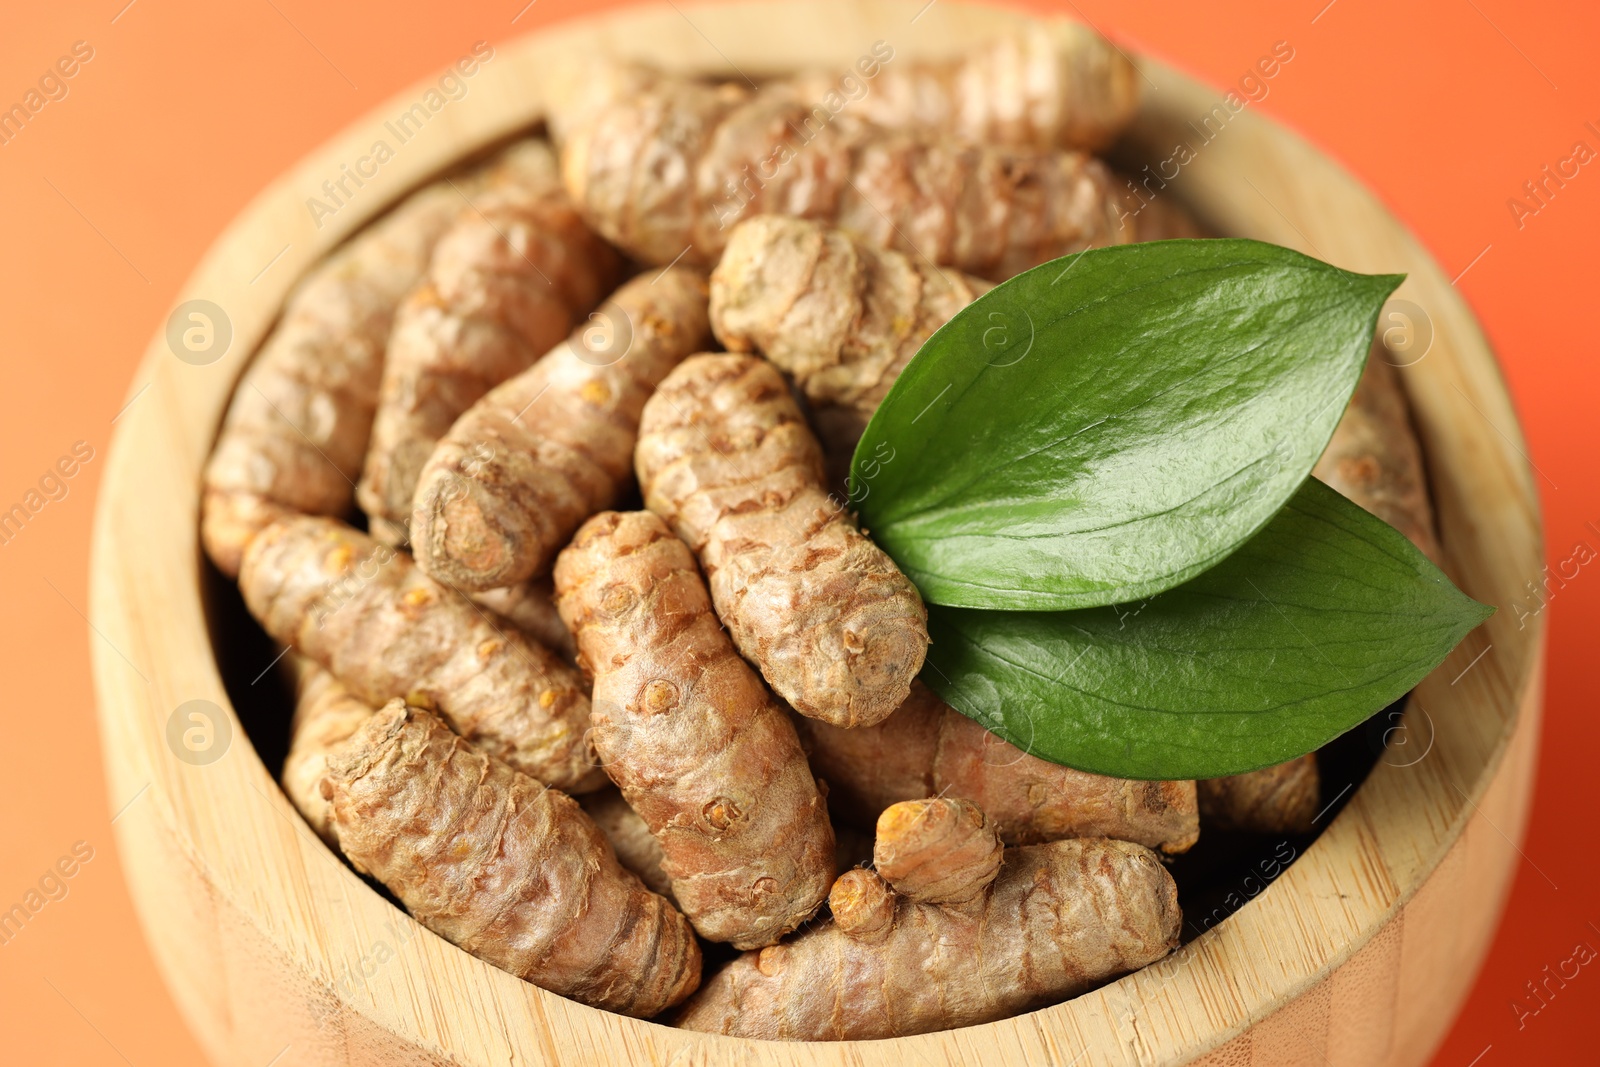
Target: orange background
109, 197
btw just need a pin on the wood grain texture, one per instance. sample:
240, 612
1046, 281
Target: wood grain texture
1359, 954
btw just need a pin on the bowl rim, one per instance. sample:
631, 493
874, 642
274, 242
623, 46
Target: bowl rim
146, 568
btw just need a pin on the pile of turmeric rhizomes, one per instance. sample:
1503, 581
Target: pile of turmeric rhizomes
493, 366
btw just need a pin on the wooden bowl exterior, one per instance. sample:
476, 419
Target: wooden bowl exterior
1359, 954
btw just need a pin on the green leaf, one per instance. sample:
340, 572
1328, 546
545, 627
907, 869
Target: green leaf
1106, 426
1317, 622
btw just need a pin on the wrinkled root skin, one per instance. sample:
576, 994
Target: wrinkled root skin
725, 457
927, 748
325, 716
510, 870
667, 170
296, 431
504, 285
641, 853
366, 614
1375, 459
636, 847
917, 953
521, 469
840, 316
699, 747
531, 607
1274, 800
1019, 89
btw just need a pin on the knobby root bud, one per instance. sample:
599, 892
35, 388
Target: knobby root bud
936, 852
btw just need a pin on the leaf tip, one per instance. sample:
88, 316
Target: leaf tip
1390, 282
1381, 286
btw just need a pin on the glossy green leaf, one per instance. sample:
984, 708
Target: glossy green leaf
1106, 426
1320, 620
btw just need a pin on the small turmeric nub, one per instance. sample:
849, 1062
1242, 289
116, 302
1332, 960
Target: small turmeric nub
937, 852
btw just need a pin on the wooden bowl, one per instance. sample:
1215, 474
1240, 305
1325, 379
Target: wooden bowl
1360, 954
